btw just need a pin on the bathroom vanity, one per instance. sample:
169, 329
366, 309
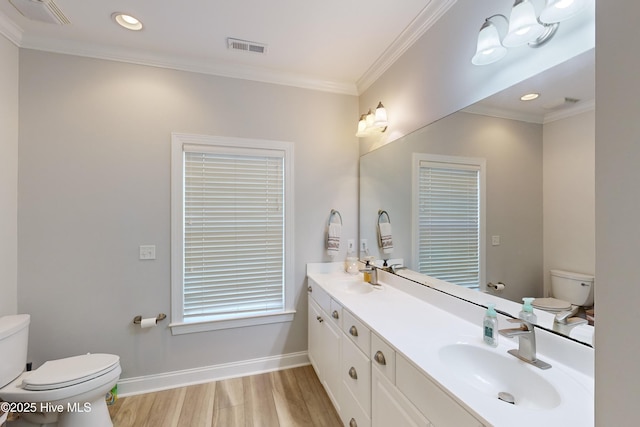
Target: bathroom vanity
406, 354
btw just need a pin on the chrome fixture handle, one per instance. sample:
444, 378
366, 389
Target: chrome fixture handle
335, 314
526, 343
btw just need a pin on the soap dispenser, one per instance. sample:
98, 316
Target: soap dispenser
527, 311
490, 326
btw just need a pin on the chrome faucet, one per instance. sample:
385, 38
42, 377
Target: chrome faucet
372, 272
526, 343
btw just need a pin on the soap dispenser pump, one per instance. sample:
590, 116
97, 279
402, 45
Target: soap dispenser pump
490, 326
527, 311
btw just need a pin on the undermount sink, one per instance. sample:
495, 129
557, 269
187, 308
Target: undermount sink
499, 376
356, 286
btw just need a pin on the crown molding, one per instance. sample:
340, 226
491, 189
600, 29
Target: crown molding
416, 29
189, 64
10, 30
427, 17
579, 108
500, 113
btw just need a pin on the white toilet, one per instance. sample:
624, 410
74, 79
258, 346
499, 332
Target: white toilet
569, 290
66, 392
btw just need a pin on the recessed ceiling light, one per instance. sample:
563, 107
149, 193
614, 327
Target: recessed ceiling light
529, 96
127, 21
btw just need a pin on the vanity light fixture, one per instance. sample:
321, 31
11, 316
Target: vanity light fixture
523, 28
371, 123
127, 21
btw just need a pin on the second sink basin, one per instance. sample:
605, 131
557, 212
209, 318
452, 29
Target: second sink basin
355, 286
495, 374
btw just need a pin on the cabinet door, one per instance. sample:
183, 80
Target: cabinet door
389, 407
324, 351
315, 338
331, 341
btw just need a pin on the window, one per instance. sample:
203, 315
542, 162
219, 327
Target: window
448, 200
231, 228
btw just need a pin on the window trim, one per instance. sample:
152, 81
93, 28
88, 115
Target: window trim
417, 158
178, 325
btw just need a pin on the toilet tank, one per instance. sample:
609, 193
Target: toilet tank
14, 339
575, 288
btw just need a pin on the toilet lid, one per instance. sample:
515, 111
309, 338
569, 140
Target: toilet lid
551, 304
69, 371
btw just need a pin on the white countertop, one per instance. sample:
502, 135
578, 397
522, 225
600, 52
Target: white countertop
418, 330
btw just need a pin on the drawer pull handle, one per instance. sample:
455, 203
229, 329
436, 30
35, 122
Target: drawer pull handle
319, 319
353, 423
352, 373
379, 357
335, 314
310, 289
353, 331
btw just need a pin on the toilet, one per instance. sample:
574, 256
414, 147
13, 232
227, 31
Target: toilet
569, 290
67, 392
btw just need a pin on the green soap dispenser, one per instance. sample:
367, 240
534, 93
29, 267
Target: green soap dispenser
490, 326
527, 311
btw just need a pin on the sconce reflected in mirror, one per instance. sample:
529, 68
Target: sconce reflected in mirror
372, 123
523, 28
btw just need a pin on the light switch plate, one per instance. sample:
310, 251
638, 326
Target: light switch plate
495, 240
147, 251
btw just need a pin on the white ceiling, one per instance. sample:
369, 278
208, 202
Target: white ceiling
335, 45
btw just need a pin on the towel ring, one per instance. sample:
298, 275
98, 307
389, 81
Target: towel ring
333, 214
382, 213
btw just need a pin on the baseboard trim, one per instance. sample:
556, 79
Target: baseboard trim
167, 380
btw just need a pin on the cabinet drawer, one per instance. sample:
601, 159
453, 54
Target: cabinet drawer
356, 374
352, 413
336, 313
383, 357
437, 406
319, 295
356, 331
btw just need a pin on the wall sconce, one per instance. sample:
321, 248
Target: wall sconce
371, 123
523, 27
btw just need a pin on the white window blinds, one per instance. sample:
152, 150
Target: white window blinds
449, 222
233, 232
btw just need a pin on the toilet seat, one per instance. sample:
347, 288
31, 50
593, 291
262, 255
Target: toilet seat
61, 373
551, 304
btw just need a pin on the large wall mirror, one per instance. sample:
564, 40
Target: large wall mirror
537, 198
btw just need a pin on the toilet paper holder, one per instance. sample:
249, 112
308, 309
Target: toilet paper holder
138, 319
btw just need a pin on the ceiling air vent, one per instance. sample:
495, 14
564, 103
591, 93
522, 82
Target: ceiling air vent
41, 10
560, 103
247, 46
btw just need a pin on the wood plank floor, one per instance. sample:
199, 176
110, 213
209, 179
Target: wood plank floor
288, 398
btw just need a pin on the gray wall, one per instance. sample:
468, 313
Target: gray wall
8, 177
513, 152
569, 195
617, 206
94, 181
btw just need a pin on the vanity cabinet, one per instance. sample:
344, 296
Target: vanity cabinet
369, 383
431, 401
324, 346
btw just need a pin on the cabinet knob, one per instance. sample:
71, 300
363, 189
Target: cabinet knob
335, 314
310, 289
353, 331
353, 423
319, 319
352, 373
379, 357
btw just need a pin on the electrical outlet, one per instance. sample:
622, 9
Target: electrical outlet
364, 245
351, 245
495, 240
147, 251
